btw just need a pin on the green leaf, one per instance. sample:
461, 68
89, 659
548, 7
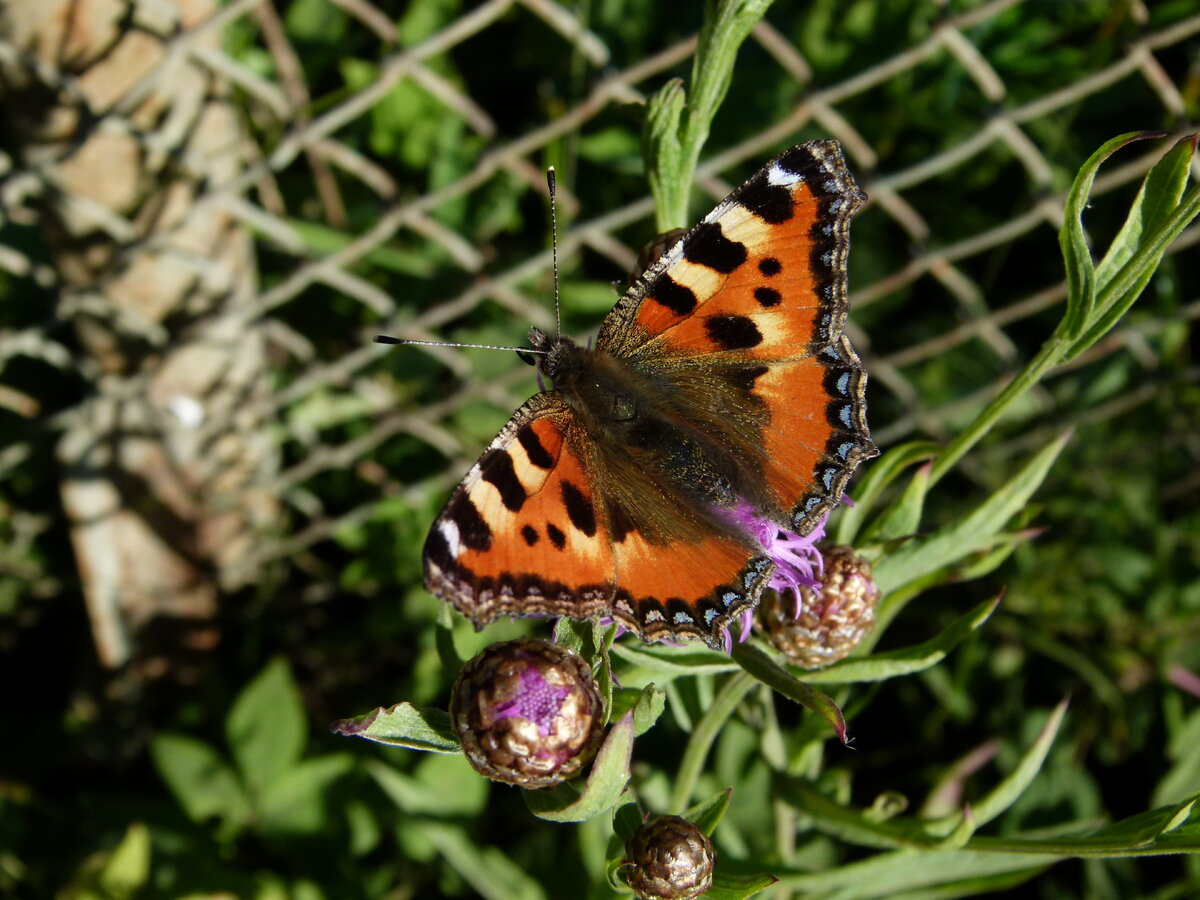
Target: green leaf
299, 803
904, 517
441, 786
690, 659
201, 780
735, 887
646, 705
905, 661
403, 725
1156, 199
707, 814
1184, 752
878, 476
1005, 794
1155, 220
973, 533
774, 676
1077, 257
1157, 832
493, 875
127, 868
889, 874
267, 727
627, 818
600, 792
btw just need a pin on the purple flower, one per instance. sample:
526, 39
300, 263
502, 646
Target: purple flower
797, 560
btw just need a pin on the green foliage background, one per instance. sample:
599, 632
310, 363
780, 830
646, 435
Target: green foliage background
225, 780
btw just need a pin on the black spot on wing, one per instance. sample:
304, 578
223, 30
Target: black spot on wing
770, 202
767, 297
496, 467
579, 509
769, 266
437, 551
529, 533
798, 160
557, 538
708, 246
733, 332
676, 297
473, 531
537, 454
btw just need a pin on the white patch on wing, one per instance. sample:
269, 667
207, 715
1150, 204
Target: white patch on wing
449, 531
778, 175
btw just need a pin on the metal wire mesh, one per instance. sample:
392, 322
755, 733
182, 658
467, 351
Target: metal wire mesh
303, 153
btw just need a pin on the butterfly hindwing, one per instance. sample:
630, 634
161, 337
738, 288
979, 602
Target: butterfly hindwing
521, 535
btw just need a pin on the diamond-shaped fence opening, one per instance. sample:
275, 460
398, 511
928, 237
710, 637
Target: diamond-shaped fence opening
209, 211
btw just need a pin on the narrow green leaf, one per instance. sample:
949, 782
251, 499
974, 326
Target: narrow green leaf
690, 659
492, 875
906, 660
1160, 226
403, 725
708, 813
904, 517
889, 874
600, 792
1006, 793
736, 887
878, 476
1158, 832
975, 532
1077, 257
267, 727
1183, 750
663, 156
1156, 199
774, 676
852, 825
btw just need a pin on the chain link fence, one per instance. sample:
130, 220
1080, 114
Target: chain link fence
204, 224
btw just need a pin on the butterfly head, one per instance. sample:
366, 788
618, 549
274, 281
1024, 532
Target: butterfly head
552, 355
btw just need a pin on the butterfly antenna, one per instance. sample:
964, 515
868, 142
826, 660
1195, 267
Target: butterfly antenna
554, 247
388, 339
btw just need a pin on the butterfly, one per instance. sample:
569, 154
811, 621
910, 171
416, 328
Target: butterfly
720, 381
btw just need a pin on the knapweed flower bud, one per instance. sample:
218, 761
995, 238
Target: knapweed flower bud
815, 627
527, 712
670, 858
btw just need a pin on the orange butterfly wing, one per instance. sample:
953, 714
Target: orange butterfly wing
521, 535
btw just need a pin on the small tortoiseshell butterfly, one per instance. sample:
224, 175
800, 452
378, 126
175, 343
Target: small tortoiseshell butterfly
720, 381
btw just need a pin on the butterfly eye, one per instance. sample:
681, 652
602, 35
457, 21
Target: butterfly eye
527, 357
